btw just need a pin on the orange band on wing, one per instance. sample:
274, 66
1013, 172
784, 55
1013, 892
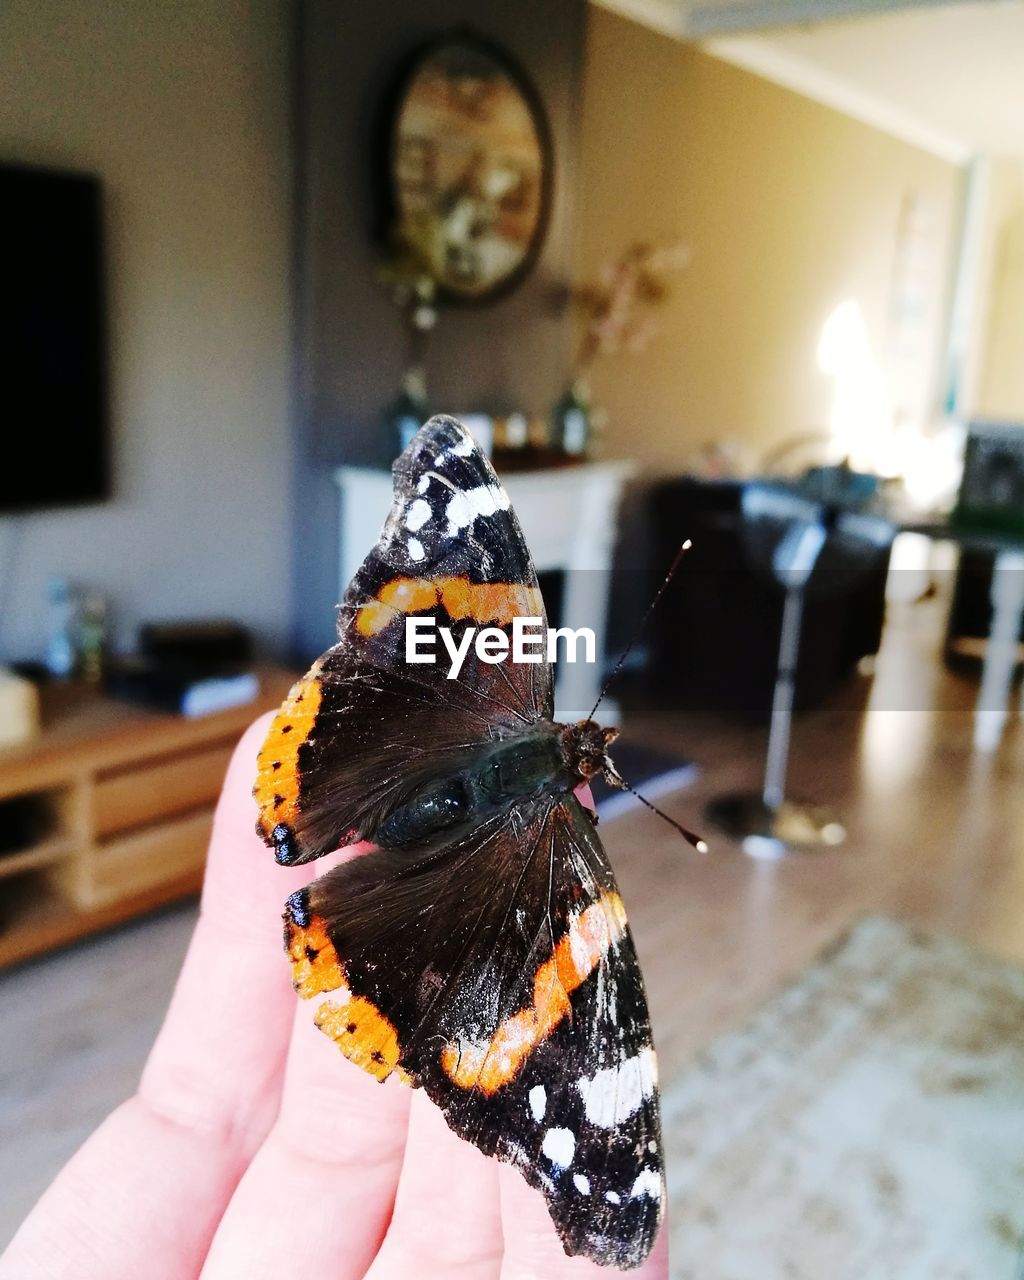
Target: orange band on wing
355, 1025
489, 1065
490, 602
315, 964
362, 1033
277, 778
485, 602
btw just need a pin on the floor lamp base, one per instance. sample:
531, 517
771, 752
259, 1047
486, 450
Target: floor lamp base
770, 833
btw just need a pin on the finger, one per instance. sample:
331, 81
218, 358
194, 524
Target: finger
332, 1161
144, 1194
447, 1219
532, 1246
219, 1059
318, 1195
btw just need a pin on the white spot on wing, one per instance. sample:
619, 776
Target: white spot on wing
581, 1183
613, 1197
559, 1146
423, 485
465, 505
464, 448
417, 515
614, 1093
415, 548
538, 1101
647, 1183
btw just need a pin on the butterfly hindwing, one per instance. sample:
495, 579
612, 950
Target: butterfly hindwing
352, 730
499, 974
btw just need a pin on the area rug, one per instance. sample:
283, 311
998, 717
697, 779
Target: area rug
867, 1125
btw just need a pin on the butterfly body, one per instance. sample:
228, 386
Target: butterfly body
481, 950
445, 803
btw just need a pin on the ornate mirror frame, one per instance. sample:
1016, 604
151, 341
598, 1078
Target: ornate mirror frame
478, 209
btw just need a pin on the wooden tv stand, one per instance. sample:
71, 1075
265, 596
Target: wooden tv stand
123, 799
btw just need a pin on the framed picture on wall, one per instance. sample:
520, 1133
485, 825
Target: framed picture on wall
469, 167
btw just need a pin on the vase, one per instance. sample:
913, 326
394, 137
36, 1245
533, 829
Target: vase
409, 411
573, 420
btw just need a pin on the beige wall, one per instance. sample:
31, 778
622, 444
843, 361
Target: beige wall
789, 208
182, 108
999, 391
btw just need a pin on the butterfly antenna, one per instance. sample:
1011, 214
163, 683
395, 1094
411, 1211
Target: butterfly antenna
615, 779
639, 631
691, 837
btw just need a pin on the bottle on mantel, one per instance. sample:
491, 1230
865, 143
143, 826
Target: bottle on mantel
571, 423
409, 412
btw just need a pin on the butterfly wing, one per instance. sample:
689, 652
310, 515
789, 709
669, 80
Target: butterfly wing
354, 732
499, 974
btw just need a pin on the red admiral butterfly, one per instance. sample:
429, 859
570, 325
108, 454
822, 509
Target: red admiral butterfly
481, 952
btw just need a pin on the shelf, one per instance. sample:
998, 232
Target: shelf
35, 920
125, 801
44, 854
141, 859
85, 734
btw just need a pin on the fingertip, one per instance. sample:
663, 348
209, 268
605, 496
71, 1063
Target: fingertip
336, 1148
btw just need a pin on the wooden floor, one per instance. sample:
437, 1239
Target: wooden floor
936, 837
75, 1029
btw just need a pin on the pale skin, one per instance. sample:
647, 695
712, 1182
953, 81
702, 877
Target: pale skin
252, 1148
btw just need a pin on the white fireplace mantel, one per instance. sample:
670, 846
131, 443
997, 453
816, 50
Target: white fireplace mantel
570, 518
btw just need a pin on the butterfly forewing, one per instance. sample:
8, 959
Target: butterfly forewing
363, 717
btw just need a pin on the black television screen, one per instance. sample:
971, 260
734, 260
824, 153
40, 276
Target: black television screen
53, 394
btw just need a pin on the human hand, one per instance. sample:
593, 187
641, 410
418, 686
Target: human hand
253, 1149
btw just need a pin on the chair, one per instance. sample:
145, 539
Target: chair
715, 635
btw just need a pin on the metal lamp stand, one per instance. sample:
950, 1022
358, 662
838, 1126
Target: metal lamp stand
766, 823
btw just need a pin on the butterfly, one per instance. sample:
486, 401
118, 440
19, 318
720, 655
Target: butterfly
481, 951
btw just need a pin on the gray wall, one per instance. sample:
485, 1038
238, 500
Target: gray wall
182, 107
352, 345
196, 117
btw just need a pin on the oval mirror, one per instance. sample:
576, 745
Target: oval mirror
470, 168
